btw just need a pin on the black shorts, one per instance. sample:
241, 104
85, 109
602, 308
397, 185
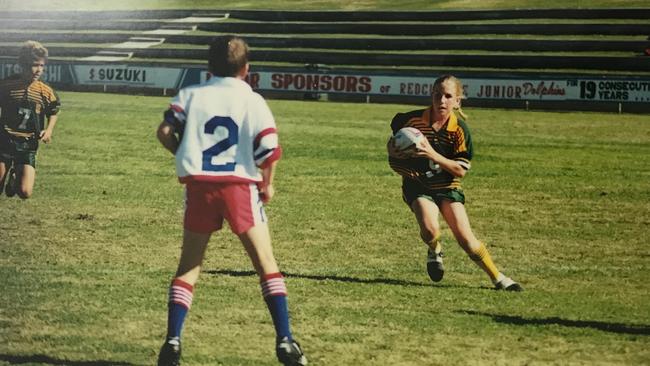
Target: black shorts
19, 150
412, 190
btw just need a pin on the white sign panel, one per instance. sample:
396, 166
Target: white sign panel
542, 88
549, 89
127, 75
52, 74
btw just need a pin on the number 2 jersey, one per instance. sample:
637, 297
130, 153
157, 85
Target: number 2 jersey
453, 141
227, 132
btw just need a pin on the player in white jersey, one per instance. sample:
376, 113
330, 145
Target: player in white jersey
228, 137
224, 138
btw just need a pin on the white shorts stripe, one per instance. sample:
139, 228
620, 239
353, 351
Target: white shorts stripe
257, 206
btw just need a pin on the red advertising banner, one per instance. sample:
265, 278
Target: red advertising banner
549, 87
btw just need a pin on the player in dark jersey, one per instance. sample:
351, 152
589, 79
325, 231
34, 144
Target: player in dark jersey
28, 114
431, 174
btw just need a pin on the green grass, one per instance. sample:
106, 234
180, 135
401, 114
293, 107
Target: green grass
561, 199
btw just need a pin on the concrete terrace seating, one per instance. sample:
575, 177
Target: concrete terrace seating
551, 39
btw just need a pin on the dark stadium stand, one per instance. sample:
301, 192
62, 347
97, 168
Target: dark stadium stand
592, 42
615, 38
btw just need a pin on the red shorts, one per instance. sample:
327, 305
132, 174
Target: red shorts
207, 204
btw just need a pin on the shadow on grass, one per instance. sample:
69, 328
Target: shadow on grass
47, 360
385, 281
603, 326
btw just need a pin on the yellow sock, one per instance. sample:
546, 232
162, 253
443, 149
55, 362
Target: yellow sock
435, 245
483, 259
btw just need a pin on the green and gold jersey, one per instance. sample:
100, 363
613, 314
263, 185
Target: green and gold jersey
25, 105
453, 141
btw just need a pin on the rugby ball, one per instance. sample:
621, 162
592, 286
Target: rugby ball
407, 137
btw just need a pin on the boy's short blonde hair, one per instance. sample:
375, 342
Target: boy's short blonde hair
31, 51
227, 55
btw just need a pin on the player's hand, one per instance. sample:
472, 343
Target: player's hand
424, 150
267, 192
46, 136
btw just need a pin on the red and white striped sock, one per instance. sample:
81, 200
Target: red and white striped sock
181, 294
274, 291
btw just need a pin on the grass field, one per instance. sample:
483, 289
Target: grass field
562, 200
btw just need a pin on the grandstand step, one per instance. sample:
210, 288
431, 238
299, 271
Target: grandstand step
139, 42
147, 39
180, 26
197, 20
219, 16
424, 29
166, 32
109, 56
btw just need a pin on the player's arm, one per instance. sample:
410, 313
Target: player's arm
52, 108
46, 135
167, 137
266, 187
171, 128
399, 121
425, 150
267, 151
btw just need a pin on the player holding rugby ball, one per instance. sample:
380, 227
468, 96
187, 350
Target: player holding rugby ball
431, 177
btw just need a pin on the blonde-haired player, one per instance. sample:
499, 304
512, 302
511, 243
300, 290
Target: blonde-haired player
431, 178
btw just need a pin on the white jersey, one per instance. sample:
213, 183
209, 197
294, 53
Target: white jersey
228, 132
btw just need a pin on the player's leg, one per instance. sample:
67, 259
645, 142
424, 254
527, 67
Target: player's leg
3, 173
181, 294
458, 221
257, 242
426, 213
6, 159
187, 274
245, 213
201, 219
456, 217
8, 175
21, 176
24, 180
